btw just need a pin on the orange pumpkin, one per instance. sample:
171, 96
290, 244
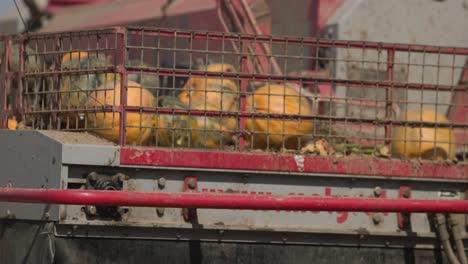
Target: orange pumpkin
138, 125
76, 89
273, 133
12, 124
75, 56
219, 93
424, 142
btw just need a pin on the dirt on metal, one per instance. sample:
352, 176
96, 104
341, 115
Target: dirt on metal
77, 138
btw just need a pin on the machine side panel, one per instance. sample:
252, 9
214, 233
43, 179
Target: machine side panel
29, 160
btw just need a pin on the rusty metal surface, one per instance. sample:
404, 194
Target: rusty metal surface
292, 164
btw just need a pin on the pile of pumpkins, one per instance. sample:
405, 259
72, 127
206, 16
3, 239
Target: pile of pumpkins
94, 91
218, 94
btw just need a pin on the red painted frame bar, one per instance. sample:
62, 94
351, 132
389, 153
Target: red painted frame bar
229, 201
389, 95
286, 163
4, 81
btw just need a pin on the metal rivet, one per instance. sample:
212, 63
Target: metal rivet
377, 191
161, 183
377, 218
47, 215
91, 210
221, 232
406, 193
160, 211
191, 184
75, 227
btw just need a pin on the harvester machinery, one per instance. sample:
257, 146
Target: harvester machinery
259, 149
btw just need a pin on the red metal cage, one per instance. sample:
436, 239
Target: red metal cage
194, 99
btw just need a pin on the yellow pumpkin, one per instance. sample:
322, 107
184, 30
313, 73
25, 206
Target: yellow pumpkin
74, 56
12, 124
424, 142
174, 130
278, 99
138, 125
217, 92
76, 90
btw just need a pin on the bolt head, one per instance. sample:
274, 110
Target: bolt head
406, 193
47, 215
192, 184
377, 218
162, 183
91, 210
377, 191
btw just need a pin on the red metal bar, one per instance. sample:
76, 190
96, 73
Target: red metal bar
19, 76
229, 201
4, 82
286, 163
243, 106
389, 95
262, 50
122, 56
56, 78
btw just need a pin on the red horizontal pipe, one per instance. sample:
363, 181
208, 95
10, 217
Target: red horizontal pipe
229, 201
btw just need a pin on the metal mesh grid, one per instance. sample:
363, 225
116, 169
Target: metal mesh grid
224, 91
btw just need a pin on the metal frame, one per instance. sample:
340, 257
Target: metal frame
214, 159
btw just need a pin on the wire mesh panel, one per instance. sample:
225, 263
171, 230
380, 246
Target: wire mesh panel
248, 93
65, 77
365, 99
